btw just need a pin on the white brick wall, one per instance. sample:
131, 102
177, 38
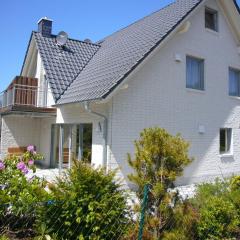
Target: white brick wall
21, 131
75, 114
157, 96
45, 96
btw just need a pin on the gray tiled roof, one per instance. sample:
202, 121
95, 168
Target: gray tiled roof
63, 65
121, 52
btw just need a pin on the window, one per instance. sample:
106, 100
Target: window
211, 19
234, 82
225, 140
195, 73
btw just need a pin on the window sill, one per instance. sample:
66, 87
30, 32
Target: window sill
212, 32
226, 155
234, 97
195, 90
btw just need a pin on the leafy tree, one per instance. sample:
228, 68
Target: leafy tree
159, 159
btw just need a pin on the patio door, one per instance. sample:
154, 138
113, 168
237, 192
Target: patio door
70, 142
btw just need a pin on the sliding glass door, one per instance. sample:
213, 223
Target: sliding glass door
70, 142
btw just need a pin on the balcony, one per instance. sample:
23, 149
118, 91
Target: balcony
24, 95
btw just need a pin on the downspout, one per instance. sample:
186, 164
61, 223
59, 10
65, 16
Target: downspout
105, 130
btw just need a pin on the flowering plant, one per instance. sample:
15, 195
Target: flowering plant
18, 188
18, 165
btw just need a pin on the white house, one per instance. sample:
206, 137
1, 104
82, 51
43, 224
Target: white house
178, 68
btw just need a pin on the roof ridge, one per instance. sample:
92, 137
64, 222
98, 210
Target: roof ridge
72, 39
138, 20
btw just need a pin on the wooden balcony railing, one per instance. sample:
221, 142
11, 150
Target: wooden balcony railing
24, 91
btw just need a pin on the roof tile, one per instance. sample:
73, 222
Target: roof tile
63, 65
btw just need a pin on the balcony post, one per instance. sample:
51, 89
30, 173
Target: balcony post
70, 146
13, 96
7, 99
80, 148
61, 148
36, 97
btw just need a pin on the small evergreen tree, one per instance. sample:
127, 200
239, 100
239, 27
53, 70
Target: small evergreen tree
159, 159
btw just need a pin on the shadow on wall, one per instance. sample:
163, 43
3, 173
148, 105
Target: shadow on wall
207, 164
21, 131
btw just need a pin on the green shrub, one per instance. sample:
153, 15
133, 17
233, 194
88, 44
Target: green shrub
87, 204
218, 219
17, 190
4, 238
204, 191
218, 207
235, 183
19, 194
213, 213
183, 224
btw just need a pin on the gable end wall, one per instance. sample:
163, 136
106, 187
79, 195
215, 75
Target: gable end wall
157, 96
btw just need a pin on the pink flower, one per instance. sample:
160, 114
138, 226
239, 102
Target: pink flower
30, 162
31, 178
21, 165
2, 166
31, 148
25, 170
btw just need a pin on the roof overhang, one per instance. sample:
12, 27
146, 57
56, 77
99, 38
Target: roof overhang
231, 9
30, 59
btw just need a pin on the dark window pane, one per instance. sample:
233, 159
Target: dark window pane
222, 140
211, 19
195, 73
225, 140
234, 82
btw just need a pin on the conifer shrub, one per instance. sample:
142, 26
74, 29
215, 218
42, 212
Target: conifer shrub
158, 160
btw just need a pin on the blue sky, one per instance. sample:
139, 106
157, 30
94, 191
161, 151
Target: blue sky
79, 18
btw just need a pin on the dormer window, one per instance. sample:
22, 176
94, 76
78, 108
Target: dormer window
211, 19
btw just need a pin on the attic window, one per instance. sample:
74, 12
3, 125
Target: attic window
211, 19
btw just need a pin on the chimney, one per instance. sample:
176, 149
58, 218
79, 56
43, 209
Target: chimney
45, 27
